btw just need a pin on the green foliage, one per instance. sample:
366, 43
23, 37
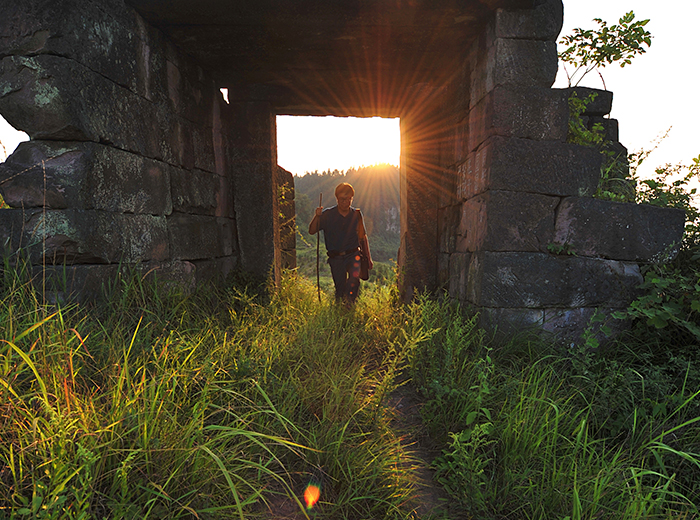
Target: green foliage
531, 431
579, 133
592, 49
671, 289
561, 249
224, 403
671, 188
616, 182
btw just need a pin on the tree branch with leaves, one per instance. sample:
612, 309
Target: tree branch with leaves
593, 49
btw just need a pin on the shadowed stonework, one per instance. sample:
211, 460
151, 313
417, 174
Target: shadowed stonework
136, 158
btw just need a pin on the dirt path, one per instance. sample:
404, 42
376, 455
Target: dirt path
406, 404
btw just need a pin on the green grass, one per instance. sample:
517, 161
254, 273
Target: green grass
530, 431
215, 404
226, 402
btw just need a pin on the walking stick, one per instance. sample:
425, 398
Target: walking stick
318, 242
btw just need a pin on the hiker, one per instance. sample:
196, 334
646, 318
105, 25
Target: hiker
345, 237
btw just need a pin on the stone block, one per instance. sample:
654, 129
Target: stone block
100, 35
460, 138
459, 271
204, 158
549, 168
114, 41
448, 222
507, 221
84, 236
228, 235
568, 325
543, 22
517, 63
443, 271
195, 237
195, 191
539, 280
529, 112
224, 197
447, 189
506, 323
54, 98
84, 175
217, 269
620, 231
74, 283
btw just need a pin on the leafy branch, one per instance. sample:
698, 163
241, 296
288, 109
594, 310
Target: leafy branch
593, 49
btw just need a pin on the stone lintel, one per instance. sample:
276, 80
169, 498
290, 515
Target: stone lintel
621, 231
507, 221
540, 280
546, 167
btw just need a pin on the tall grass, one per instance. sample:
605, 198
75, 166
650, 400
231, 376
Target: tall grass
216, 404
226, 402
529, 429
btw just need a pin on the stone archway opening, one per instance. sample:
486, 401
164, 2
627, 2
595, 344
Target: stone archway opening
314, 155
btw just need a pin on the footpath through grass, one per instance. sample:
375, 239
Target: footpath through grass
227, 403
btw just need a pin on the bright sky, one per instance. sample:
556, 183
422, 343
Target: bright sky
659, 89
322, 143
655, 92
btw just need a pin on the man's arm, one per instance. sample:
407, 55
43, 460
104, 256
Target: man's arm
316, 221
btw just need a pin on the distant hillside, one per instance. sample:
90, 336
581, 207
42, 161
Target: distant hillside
376, 194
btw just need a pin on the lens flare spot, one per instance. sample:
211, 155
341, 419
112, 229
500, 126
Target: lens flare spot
311, 495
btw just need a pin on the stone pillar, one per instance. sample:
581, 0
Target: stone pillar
254, 155
420, 174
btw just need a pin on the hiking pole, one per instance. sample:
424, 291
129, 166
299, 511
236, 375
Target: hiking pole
318, 246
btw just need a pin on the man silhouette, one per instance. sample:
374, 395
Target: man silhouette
345, 237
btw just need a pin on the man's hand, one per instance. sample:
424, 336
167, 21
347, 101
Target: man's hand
316, 221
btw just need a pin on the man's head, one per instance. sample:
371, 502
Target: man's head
344, 193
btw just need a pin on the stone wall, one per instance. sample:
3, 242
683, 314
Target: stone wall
133, 154
519, 235
135, 157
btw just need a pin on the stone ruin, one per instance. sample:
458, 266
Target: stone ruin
136, 159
